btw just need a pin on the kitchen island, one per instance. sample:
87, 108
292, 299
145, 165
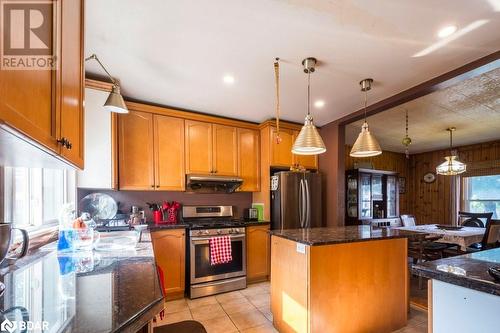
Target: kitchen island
84, 291
342, 279
463, 297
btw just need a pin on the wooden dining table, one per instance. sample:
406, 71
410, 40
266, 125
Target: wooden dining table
463, 237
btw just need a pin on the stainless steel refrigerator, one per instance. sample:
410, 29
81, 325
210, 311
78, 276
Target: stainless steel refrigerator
296, 200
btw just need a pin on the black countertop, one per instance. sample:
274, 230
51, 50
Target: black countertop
468, 270
85, 291
338, 235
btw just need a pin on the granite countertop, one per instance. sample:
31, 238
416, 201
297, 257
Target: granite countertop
338, 235
84, 291
468, 270
155, 227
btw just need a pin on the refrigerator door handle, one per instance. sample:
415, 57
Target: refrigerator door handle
301, 204
308, 204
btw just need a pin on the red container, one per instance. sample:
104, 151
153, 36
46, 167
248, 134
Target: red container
157, 216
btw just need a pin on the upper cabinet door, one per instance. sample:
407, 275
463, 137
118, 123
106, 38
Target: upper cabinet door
72, 81
169, 153
307, 161
225, 150
135, 144
249, 159
281, 154
198, 147
28, 99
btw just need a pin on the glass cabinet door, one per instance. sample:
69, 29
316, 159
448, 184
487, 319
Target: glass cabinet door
377, 191
352, 196
365, 196
391, 196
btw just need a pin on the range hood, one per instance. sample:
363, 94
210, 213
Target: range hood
212, 184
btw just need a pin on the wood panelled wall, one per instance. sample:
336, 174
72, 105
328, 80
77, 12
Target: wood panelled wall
388, 161
430, 203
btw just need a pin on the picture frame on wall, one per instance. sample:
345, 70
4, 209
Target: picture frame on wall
402, 185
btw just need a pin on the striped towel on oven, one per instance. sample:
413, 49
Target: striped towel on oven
220, 250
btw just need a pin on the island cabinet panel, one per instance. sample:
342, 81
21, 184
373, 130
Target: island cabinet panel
225, 150
169, 153
289, 286
135, 146
258, 253
170, 251
249, 159
199, 145
347, 287
281, 153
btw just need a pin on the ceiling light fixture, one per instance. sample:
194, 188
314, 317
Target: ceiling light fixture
407, 139
228, 79
115, 102
366, 144
309, 141
452, 166
319, 104
447, 31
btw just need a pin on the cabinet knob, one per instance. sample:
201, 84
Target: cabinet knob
157, 186
65, 143
152, 186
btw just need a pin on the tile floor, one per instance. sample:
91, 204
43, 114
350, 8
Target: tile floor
247, 311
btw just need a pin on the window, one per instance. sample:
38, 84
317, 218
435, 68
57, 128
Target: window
482, 194
34, 196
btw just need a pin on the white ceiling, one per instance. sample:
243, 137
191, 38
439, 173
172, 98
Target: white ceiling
175, 52
472, 106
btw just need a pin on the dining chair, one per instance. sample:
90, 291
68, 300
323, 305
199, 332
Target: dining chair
491, 238
478, 220
408, 220
187, 326
422, 248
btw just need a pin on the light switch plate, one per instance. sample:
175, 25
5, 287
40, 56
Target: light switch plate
301, 248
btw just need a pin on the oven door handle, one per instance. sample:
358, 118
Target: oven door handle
206, 239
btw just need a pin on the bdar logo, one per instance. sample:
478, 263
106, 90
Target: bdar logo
7, 326
27, 33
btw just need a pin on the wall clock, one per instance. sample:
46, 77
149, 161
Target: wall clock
429, 177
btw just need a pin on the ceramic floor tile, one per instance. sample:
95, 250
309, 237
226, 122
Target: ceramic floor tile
176, 306
206, 312
266, 311
266, 328
219, 325
244, 320
260, 300
174, 317
195, 303
237, 305
254, 290
417, 316
228, 297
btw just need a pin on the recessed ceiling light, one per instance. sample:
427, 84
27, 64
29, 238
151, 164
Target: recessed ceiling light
319, 103
447, 31
228, 79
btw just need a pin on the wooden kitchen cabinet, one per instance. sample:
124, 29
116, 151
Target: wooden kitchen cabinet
281, 154
151, 152
225, 150
169, 153
170, 252
135, 151
199, 144
46, 106
249, 159
307, 161
258, 253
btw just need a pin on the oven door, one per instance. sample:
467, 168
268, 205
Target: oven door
200, 267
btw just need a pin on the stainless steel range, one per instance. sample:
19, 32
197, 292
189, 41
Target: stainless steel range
206, 222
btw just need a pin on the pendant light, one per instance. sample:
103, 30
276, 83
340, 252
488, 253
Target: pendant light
407, 140
308, 141
114, 102
366, 144
452, 166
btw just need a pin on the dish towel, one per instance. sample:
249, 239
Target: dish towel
220, 250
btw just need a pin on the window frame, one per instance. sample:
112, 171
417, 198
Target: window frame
467, 193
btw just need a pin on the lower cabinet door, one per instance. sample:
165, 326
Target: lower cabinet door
258, 253
170, 252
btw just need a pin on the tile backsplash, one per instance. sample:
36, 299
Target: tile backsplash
126, 199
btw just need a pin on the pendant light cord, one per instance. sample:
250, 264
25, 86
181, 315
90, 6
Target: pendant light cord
406, 110
366, 101
277, 85
309, 93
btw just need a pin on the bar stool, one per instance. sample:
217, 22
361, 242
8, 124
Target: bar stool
188, 326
